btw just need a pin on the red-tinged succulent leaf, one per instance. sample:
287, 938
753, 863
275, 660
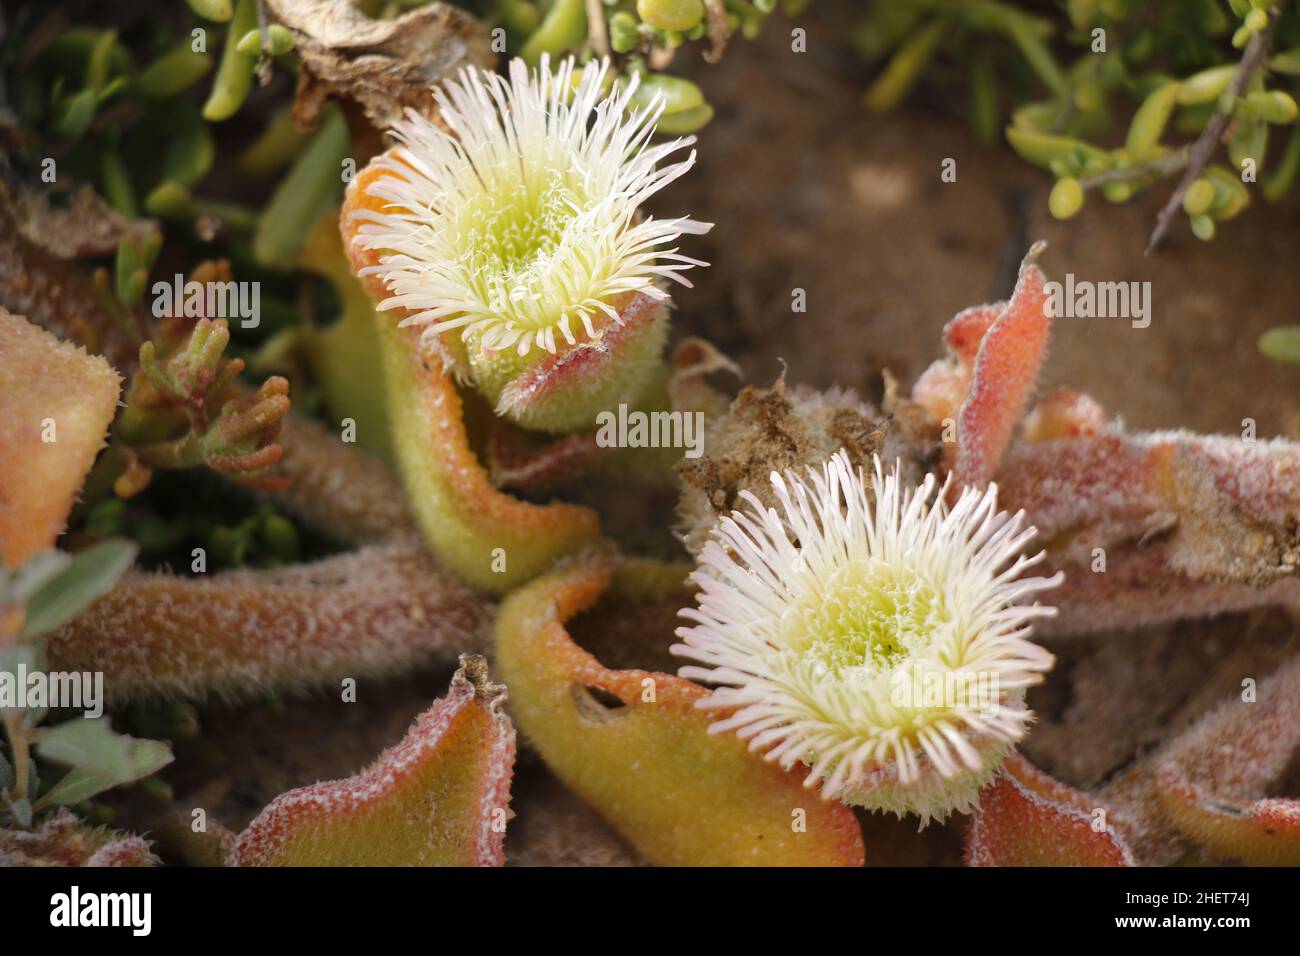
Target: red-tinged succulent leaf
1026, 818
468, 522
1003, 377
1188, 525
56, 403
941, 389
1066, 413
439, 798
965, 331
1210, 778
63, 840
633, 744
550, 394
378, 610
517, 461
1258, 833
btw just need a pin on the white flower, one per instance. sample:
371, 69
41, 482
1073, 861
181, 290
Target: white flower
520, 224
885, 644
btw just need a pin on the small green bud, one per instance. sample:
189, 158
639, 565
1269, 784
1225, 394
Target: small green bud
623, 34
169, 200
678, 95
1117, 191
1230, 194
1248, 142
684, 122
1271, 106
670, 14
1199, 197
218, 11
278, 39
1205, 86
1203, 228
1089, 96
1066, 198
280, 538
1256, 20
1282, 344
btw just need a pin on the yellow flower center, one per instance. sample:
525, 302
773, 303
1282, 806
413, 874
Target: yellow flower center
871, 615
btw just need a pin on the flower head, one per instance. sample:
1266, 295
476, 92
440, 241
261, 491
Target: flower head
518, 224
884, 643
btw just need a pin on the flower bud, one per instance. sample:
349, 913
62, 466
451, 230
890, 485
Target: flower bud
670, 14
1066, 198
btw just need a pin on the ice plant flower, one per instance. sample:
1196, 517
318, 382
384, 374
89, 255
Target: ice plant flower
513, 237
882, 642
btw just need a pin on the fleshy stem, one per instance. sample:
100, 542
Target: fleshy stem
1203, 149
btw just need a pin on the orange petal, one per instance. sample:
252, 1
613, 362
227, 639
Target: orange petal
1026, 818
438, 798
56, 403
1005, 371
634, 746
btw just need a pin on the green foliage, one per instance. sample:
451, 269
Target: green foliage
43, 594
639, 35
1063, 76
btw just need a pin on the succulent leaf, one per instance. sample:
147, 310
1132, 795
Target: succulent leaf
56, 403
438, 798
1025, 818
